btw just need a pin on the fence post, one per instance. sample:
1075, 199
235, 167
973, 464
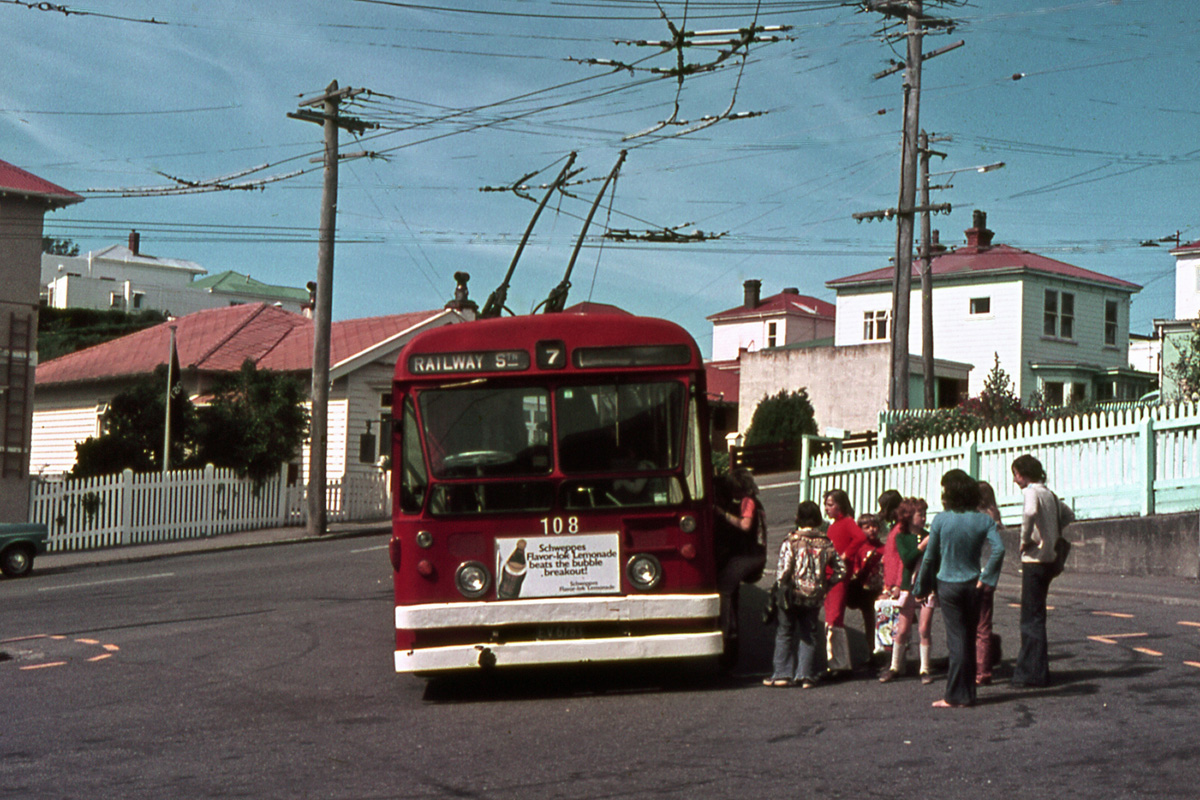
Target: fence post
126, 506
210, 499
972, 458
1146, 460
805, 464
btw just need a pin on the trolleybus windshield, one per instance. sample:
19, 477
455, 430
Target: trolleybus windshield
494, 447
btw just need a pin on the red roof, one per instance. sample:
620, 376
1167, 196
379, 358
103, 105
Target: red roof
782, 303
14, 180
722, 380
588, 307
1184, 249
220, 340
992, 259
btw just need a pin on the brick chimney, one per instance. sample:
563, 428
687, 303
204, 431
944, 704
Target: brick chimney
135, 240
751, 289
978, 234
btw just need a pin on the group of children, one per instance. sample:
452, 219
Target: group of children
868, 566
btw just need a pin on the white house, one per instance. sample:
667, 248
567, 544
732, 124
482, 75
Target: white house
72, 391
782, 319
122, 277
1057, 329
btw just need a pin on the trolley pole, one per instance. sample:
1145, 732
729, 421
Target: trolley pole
331, 122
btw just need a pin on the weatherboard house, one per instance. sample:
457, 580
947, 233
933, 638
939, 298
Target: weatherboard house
1059, 330
73, 390
1173, 337
123, 277
24, 200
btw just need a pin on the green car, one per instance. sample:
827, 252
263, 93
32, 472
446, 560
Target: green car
19, 543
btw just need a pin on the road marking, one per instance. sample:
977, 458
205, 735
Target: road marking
1190, 624
1102, 640
100, 657
1116, 614
105, 583
112, 648
369, 549
1193, 664
1147, 651
43, 666
87, 641
1124, 635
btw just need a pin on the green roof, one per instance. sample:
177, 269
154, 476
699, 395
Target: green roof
234, 283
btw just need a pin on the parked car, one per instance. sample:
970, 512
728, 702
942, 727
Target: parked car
19, 544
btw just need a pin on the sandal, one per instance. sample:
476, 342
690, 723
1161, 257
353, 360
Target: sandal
776, 682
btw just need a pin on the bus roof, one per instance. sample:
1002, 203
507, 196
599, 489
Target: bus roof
525, 333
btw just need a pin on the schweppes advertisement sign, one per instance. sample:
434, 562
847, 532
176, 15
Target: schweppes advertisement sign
466, 363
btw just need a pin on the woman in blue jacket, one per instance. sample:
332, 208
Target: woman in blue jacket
952, 558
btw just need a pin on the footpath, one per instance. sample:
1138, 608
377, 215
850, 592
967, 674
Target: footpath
1169, 591
264, 537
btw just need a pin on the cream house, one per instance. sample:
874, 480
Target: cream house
72, 391
1057, 329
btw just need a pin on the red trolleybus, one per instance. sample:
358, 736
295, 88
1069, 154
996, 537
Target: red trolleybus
552, 494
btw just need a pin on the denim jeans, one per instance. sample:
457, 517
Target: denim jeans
960, 610
796, 644
1033, 661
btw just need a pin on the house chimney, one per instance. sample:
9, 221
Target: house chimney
791, 290
751, 288
135, 239
935, 245
978, 234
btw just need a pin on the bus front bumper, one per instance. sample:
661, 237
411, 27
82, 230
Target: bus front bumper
560, 631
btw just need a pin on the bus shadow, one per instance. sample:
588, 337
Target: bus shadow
575, 680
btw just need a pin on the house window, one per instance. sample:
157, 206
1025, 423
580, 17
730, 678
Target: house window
1052, 393
115, 300
875, 325
981, 305
1059, 317
772, 327
1078, 392
137, 299
1110, 322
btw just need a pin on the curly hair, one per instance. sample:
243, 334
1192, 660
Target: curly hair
1030, 468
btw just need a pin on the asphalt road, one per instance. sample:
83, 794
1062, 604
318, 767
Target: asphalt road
268, 673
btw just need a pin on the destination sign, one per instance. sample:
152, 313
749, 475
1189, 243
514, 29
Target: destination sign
476, 361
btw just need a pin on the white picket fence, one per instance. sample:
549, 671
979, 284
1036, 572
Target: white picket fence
1127, 462
129, 508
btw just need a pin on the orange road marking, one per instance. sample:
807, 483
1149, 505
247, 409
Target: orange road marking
1116, 614
1193, 664
43, 666
87, 641
1014, 605
1102, 640
1124, 635
1190, 624
56, 637
100, 657
42, 636
1147, 651
112, 648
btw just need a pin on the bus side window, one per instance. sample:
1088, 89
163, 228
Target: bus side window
413, 477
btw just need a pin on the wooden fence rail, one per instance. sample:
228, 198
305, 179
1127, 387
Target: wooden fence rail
1125, 462
129, 508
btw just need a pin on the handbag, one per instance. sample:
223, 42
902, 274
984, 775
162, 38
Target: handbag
779, 597
1062, 548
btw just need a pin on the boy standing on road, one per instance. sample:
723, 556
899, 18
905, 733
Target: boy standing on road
1039, 533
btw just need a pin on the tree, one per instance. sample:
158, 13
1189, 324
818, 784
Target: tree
1186, 370
59, 247
133, 429
784, 417
255, 423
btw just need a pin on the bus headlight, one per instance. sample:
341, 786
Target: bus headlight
644, 572
687, 523
472, 579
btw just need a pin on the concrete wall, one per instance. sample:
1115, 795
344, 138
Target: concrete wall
848, 386
1166, 545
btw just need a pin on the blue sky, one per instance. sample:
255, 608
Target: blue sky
1099, 138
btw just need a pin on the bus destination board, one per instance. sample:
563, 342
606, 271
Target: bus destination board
468, 362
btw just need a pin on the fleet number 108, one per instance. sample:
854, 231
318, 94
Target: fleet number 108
560, 525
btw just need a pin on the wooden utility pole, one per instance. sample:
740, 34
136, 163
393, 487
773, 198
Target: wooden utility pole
926, 275
323, 302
